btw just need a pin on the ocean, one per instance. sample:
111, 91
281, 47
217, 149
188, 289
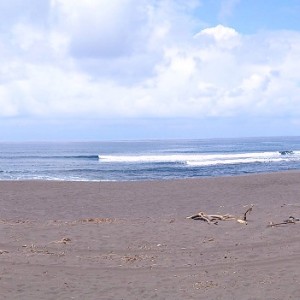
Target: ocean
147, 160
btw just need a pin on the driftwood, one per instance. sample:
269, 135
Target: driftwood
216, 218
290, 220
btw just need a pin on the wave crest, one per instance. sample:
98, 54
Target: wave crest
205, 159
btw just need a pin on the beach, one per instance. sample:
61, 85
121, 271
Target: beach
132, 240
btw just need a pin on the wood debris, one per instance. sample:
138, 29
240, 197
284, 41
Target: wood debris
97, 220
64, 240
214, 219
290, 220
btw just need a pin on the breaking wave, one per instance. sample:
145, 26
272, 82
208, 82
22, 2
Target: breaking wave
205, 159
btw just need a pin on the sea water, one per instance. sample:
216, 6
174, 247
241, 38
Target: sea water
147, 160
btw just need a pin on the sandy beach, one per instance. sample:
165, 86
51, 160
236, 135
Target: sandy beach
132, 240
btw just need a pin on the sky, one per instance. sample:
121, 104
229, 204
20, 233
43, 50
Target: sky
148, 69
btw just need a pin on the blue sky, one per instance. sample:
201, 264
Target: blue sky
148, 69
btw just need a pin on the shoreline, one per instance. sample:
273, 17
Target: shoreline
131, 240
153, 180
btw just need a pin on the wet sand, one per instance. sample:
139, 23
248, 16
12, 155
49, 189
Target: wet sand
131, 240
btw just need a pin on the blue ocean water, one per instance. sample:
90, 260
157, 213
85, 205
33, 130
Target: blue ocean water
147, 160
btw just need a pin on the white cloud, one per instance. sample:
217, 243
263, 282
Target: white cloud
100, 28
123, 58
220, 33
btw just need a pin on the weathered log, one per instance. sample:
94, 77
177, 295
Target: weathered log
241, 221
247, 211
202, 217
215, 218
271, 224
290, 220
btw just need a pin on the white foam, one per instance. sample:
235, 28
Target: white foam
234, 161
203, 159
142, 158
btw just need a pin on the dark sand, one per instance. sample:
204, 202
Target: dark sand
138, 244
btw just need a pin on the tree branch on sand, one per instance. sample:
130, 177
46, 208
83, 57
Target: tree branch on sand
290, 220
216, 218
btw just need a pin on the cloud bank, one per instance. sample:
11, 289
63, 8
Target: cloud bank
146, 59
